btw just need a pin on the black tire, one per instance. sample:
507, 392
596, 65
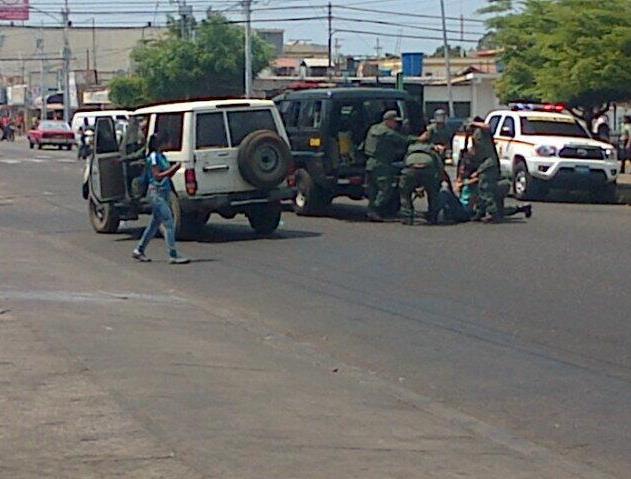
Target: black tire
310, 198
264, 219
103, 217
187, 225
525, 187
264, 159
607, 194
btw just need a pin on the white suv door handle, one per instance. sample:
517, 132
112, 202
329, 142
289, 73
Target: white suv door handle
222, 155
209, 168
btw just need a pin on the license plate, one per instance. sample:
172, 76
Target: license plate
583, 170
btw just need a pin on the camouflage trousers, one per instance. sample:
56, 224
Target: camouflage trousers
488, 191
381, 188
413, 178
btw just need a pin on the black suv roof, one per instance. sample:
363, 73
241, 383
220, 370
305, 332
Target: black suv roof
345, 94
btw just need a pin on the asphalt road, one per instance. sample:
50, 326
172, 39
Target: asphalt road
326, 350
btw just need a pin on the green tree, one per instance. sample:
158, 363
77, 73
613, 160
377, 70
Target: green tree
456, 51
572, 51
211, 64
128, 92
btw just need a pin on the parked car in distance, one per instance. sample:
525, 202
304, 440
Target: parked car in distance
326, 128
235, 159
51, 132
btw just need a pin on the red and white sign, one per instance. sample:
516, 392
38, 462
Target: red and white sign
14, 10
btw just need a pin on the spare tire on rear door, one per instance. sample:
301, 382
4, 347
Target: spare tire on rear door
264, 159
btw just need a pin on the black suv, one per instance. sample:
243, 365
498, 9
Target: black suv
326, 129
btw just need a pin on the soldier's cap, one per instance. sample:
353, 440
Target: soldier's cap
391, 115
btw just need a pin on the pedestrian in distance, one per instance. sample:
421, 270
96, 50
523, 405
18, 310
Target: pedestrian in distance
158, 174
383, 146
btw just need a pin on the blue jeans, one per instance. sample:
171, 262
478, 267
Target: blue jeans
160, 214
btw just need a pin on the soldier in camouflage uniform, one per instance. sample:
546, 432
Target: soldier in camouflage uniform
487, 172
383, 146
439, 133
423, 168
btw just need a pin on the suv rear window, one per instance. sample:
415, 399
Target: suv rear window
242, 123
210, 131
169, 129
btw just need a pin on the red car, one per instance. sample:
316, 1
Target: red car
51, 132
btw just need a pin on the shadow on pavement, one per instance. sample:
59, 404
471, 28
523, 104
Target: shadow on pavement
223, 233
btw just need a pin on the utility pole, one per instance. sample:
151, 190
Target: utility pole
96, 75
42, 78
66, 69
247, 4
450, 95
330, 21
378, 49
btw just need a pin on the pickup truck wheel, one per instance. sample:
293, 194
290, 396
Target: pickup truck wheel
310, 198
264, 219
525, 186
103, 217
264, 159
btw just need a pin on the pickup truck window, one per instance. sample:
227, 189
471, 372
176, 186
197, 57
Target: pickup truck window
553, 127
493, 122
508, 127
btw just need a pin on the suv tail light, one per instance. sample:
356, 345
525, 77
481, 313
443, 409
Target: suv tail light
191, 181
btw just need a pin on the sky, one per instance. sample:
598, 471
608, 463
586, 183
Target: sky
394, 24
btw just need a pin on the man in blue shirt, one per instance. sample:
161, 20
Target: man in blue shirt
159, 172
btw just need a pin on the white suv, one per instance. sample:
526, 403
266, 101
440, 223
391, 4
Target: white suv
235, 159
542, 147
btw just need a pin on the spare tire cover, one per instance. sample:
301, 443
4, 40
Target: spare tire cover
264, 159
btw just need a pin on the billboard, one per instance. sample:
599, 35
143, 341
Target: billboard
14, 10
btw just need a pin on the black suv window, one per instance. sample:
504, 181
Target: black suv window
169, 129
242, 123
210, 131
289, 110
310, 115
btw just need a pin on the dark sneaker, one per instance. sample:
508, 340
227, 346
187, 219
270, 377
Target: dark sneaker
179, 260
139, 256
527, 210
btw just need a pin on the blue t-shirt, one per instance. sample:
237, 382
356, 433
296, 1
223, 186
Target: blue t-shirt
159, 160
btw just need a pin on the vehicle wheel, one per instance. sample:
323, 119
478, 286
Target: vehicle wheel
103, 217
264, 159
310, 198
607, 194
264, 219
525, 186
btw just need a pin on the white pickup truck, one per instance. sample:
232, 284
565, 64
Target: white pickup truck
544, 147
